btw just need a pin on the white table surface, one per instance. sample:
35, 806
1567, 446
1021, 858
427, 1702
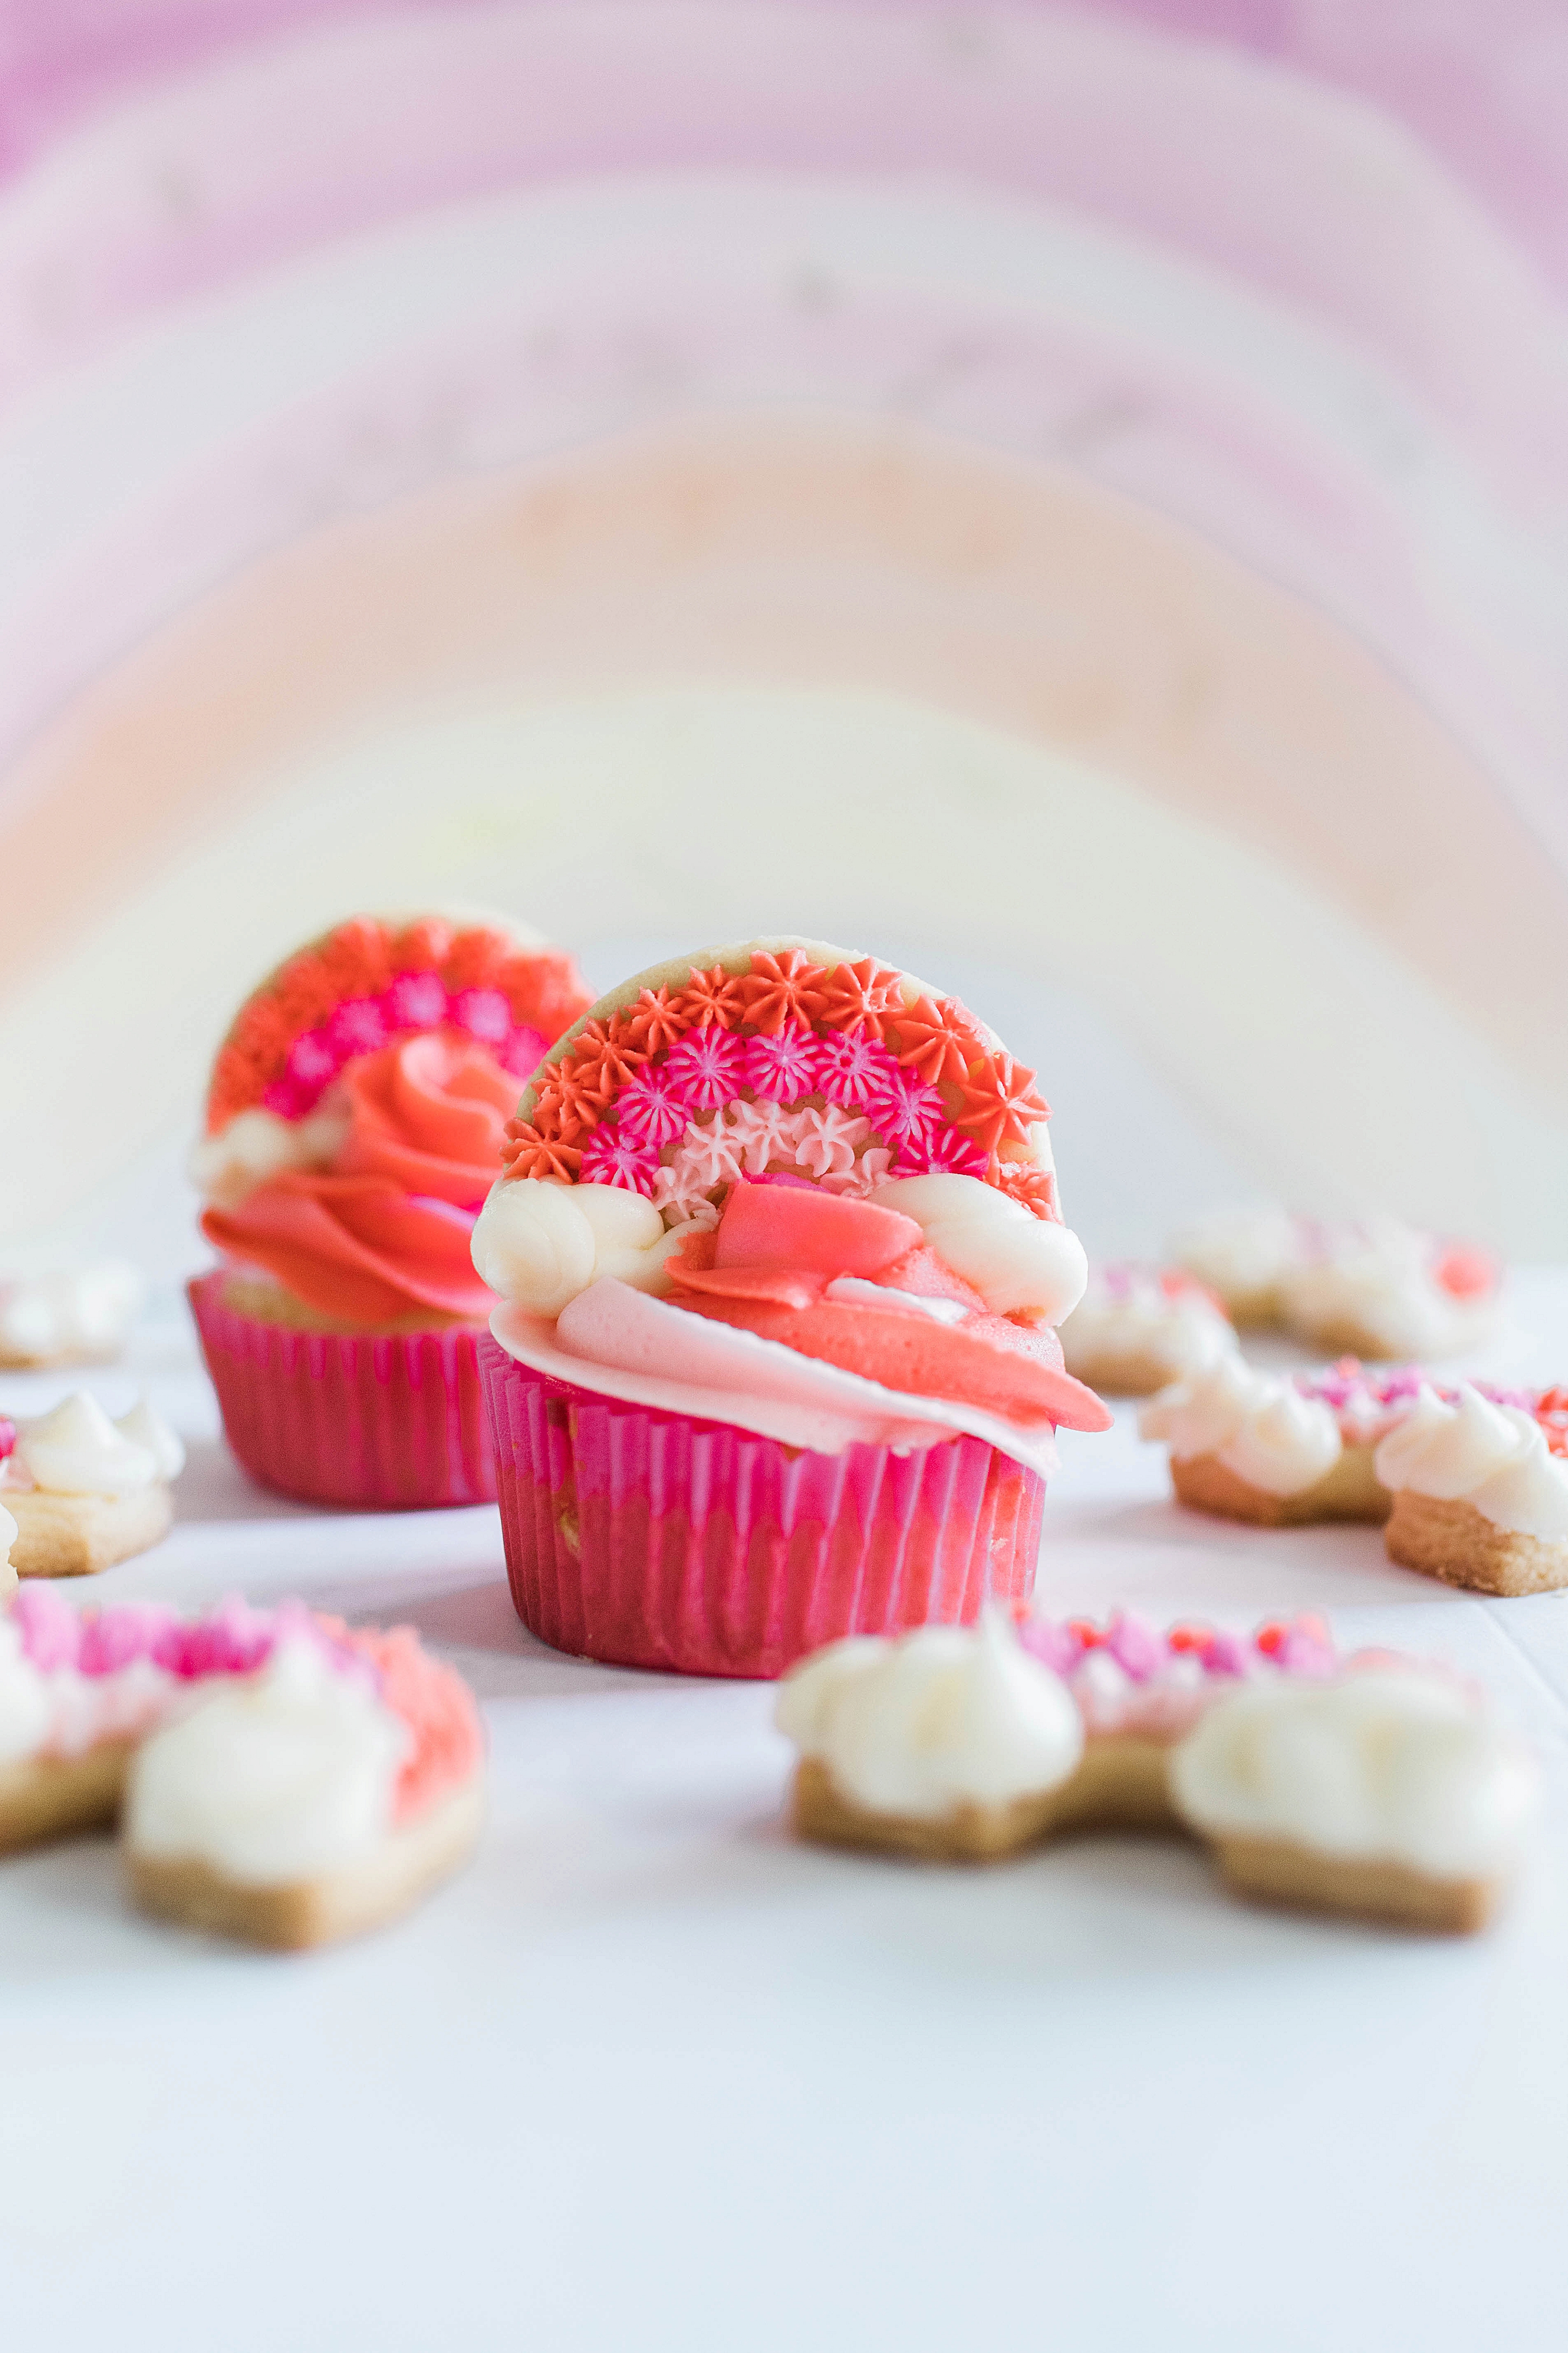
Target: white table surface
649, 2076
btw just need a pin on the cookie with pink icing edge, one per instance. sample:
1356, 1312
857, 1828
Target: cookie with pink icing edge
975, 1745
1281, 1452
80, 1689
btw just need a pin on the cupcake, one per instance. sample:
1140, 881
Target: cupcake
781, 1262
354, 1124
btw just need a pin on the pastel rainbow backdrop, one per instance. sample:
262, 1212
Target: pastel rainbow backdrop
1079, 496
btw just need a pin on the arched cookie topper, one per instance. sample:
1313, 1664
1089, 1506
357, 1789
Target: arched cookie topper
780, 1057
372, 979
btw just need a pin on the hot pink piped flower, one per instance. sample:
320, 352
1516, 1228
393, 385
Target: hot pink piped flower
288, 1100
484, 1013
652, 1107
943, 1150
524, 1052
415, 1000
852, 1065
708, 1066
311, 1062
611, 1158
907, 1114
784, 1067
357, 1026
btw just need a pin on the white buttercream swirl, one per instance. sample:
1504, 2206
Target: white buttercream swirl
258, 1144
1492, 1457
945, 1716
273, 1779
76, 1450
1259, 1426
1397, 1766
1015, 1260
540, 1245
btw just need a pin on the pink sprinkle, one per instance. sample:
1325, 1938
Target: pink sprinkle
1135, 1646
357, 1026
782, 1069
652, 1107
233, 1642
1228, 1655
116, 1637
1305, 1651
524, 1052
1055, 1645
49, 1628
484, 1013
7, 1437
708, 1066
417, 1000
611, 1158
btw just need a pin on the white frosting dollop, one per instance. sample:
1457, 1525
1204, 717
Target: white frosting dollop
83, 1312
1259, 1426
1287, 1443
1398, 1766
539, 1245
144, 1428
1238, 1251
77, 1451
256, 1144
1136, 1317
938, 1718
271, 1778
1015, 1259
25, 1707
1493, 1456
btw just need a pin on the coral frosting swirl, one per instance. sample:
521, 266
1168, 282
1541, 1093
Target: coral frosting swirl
384, 1232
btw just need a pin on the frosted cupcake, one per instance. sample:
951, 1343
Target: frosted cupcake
353, 1125
782, 1260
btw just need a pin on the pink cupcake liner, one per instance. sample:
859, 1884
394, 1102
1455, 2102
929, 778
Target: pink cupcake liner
649, 1540
385, 1424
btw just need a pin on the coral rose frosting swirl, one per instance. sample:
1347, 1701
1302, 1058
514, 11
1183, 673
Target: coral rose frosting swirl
386, 1231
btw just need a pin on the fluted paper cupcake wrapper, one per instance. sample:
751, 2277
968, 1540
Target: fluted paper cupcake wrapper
383, 1424
652, 1540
